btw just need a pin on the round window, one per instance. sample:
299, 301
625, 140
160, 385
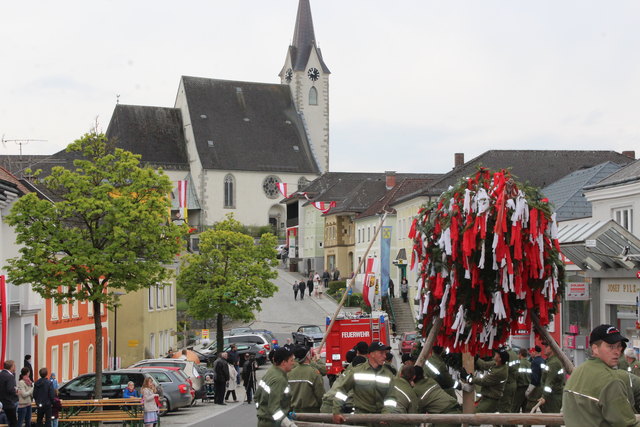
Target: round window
270, 186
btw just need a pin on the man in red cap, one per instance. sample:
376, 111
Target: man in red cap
595, 395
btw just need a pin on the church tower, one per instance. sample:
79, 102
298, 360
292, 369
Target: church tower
308, 76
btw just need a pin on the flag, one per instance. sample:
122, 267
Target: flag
4, 305
324, 207
182, 199
369, 283
282, 186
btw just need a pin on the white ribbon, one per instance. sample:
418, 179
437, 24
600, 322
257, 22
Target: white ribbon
466, 207
498, 306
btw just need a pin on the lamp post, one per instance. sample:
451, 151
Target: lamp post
117, 296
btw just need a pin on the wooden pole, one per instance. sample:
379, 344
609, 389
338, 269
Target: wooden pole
351, 281
472, 419
566, 363
431, 338
468, 397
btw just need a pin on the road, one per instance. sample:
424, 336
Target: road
281, 315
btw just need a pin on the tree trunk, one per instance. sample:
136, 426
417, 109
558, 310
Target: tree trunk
97, 321
219, 333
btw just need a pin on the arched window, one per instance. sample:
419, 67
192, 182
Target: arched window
313, 96
229, 184
91, 357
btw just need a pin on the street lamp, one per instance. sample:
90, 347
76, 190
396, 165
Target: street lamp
117, 296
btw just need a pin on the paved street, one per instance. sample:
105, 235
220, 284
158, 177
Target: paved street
280, 314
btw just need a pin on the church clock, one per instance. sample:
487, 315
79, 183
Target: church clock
270, 186
288, 75
313, 74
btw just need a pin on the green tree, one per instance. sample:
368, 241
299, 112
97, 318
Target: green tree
104, 228
230, 276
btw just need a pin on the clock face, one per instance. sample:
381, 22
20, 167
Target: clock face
313, 74
288, 75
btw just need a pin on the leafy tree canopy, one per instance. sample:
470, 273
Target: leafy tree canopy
107, 222
231, 274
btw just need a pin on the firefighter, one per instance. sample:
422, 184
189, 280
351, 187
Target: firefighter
432, 399
436, 368
272, 396
327, 399
552, 382
370, 383
633, 391
634, 366
401, 398
509, 392
522, 382
305, 382
492, 382
595, 395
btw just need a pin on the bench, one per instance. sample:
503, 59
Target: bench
92, 412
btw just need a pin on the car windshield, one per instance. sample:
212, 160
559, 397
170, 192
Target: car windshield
410, 337
311, 330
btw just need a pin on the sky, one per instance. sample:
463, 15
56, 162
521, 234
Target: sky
412, 83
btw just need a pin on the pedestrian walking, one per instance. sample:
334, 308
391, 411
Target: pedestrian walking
43, 394
232, 383
9, 392
321, 289
221, 370
150, 402
302, 287
595, 394
234, 359
310, 284
305, 382
336, 274
296, 287
25, 395
316, 283
249, 376
404, 290
325, 278
392, 286
272, 396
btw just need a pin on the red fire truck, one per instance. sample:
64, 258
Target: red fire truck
350, 329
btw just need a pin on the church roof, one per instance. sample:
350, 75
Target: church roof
304, 39
153, 132
247, 126
567, 194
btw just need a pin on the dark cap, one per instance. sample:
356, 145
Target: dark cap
504, 355
300, 352
378, 346
606, 333
362, 347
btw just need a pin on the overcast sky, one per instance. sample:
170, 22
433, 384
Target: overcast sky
412, 83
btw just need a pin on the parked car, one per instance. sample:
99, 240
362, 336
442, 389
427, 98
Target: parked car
113, 385
176, 386
248, 331
192, 370
407, 342
258, 353
307, 335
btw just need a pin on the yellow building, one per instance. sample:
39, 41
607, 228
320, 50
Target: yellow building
143, 325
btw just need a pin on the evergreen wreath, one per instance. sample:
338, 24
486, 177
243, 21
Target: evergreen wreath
487, 255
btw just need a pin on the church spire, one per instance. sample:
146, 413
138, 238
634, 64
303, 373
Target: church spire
304, 39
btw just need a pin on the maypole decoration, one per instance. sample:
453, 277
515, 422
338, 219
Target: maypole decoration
487, 253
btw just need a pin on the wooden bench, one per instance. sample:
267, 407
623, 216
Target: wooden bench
92, 412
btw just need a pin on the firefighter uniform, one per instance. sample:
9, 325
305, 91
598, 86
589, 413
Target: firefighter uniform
522, 382
438, 370
401, 399
633, 382
307, 388
595, 395
552, 385
634, 368
510, 386
369, 387
433, 400
492, 384
272, 398
327, 398
623, 364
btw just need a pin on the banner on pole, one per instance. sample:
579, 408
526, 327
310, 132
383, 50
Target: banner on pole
385, 259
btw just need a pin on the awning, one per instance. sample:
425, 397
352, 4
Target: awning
599, 245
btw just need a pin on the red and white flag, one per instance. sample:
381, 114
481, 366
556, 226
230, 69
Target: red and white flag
369, 283
182, 199
324, 207
282, 186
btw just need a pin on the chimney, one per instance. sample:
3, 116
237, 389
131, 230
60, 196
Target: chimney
631, 154
458, 160
390, 177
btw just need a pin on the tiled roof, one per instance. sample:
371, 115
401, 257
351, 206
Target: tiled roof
247, 126
627, 174
567, 193
16, 164
406, 186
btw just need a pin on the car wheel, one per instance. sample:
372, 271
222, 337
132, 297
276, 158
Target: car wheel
166, 406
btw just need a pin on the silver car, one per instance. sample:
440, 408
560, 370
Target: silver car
175, 385
194, 372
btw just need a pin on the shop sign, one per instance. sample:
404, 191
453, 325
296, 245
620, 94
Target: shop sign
577, 291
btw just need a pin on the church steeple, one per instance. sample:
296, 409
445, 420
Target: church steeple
308, 77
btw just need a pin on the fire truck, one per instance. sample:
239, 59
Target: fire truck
350, 329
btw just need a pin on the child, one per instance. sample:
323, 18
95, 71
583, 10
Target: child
55, 410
